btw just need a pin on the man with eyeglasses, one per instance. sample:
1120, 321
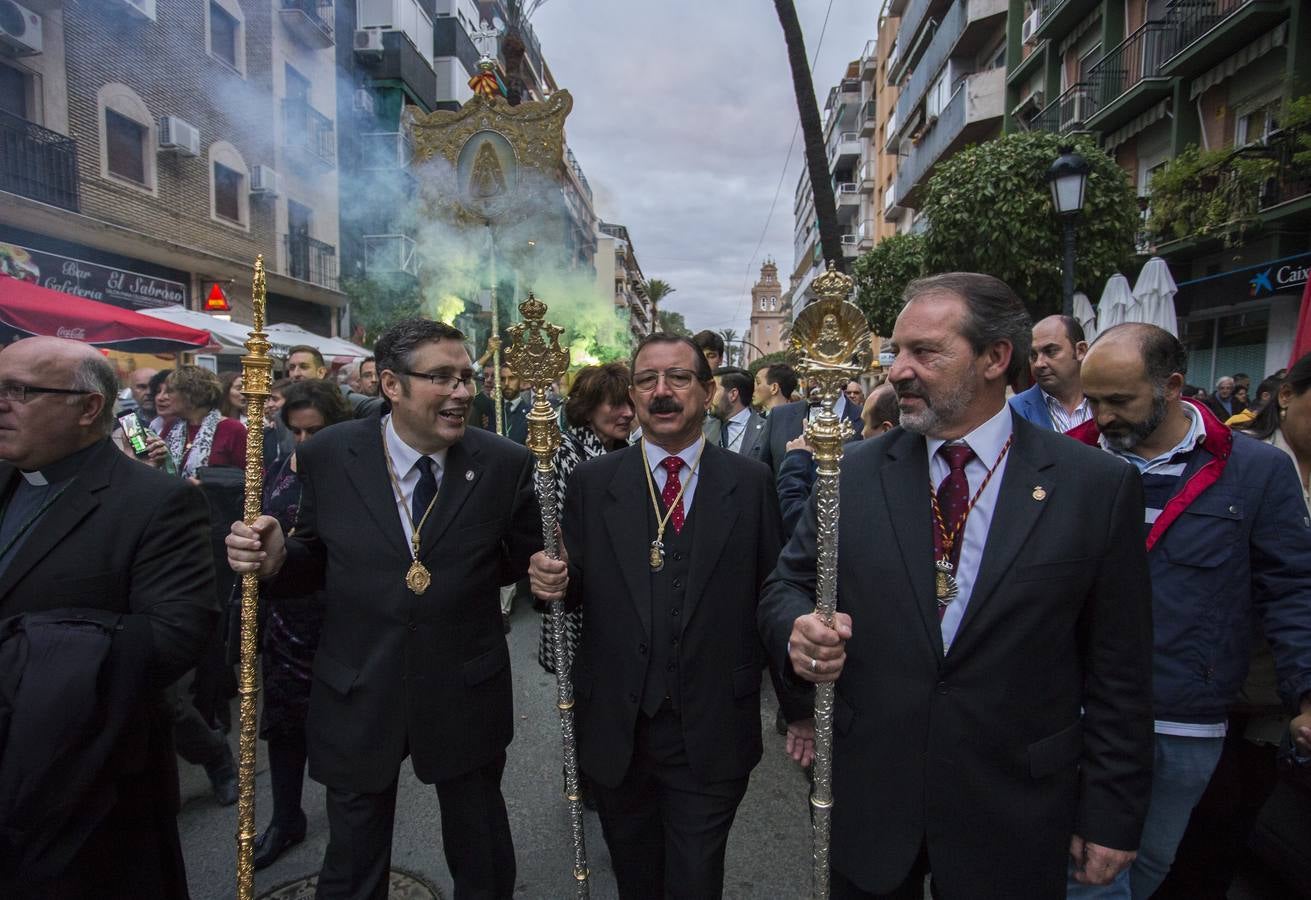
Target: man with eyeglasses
667, 543
107, 597
409, 523
138, 383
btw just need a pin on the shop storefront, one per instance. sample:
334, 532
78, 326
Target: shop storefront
1242, 320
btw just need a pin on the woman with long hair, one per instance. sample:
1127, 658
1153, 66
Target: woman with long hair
233, 404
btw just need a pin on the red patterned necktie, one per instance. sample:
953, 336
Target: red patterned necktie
672, 489
953, 504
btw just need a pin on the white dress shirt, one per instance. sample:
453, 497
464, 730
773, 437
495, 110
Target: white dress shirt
1062, 419
688, 476
986, 441
405, 463
736, 428
839, 408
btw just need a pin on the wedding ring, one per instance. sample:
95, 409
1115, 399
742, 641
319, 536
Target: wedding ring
814, 664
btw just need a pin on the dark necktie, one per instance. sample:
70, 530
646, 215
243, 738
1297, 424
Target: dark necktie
672, 489
953, 500
723, 436
425, 490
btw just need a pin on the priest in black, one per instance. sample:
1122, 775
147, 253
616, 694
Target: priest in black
408, 523
668, 543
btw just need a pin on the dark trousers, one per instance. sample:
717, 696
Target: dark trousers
195, 741
666, 830
287, 756
910, 889
475, 839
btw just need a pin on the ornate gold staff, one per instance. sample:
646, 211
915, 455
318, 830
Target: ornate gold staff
536, 357
256, 375
830, 343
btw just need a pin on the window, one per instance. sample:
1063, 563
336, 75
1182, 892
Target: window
223, 31
125, 145
13, 92
1258, 124
227, 192
763, 304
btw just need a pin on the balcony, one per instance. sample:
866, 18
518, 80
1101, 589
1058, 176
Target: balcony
848, 196
309, 21
1128, 80
850, 245
869, 63
386, 151
1206, 31
869, 118
311, 261
867, 233
405, 65
1068, 112
388, 254
846, 150
891, 211
38, 163
911, 38
867, 175
960, 33
309, 132
972, 114
1057, 18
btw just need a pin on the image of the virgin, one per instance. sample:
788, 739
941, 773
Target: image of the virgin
487, 170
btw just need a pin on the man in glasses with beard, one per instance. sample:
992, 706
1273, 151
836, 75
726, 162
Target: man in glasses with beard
1226, 533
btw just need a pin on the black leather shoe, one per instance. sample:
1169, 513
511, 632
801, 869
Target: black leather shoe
275, 841
223, 778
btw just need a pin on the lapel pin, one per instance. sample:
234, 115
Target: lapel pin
1039, 493
468, 476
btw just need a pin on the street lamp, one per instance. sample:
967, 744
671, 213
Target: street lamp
1068, 177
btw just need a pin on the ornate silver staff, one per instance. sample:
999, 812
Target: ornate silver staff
256, 375
536, 357
830, 344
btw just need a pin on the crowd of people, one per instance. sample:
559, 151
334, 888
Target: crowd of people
1072, 652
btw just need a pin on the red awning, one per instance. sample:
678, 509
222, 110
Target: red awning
28, 309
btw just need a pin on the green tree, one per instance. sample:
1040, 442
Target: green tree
656, 290
732, 349
779, 356
989, 209
376, 304
881, 276
672, 323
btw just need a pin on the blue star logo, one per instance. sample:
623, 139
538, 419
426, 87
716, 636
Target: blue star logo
1261, 282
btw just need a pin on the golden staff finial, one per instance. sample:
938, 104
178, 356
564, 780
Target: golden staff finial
536, 356
830, 344
256, 375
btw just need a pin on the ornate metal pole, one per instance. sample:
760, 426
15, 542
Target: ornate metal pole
536, 357
830, 342
499, 412
256, 375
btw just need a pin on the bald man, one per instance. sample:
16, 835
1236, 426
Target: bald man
1056, 399
106, 565
138, 382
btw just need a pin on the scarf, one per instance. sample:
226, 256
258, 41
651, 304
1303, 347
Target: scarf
190, 460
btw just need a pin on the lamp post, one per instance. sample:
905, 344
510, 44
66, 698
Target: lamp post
1068, 178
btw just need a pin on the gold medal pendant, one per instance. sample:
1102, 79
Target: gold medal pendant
418, 578
657, 558
944, 582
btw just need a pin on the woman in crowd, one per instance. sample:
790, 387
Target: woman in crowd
199, 434
600, 417
291, 633
233, 405
1286, 421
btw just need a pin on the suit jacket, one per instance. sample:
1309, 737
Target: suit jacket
397, 673
752, 437
720, 656
126, 546
786, 422
1032, 407
1038, 723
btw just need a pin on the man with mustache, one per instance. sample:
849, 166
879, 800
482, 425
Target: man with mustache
992, 716
1225, 528
668, 542
409, 524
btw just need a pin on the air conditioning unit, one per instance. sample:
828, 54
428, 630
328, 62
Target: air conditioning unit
142, 9
179, 135
264, 181
20, 29
363, 101
1029, 27
368, 43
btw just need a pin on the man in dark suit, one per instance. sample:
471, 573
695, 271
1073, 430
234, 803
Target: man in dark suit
786, 422
668, 543
741, 426
993, 711
1223, 403
84, 527
405, 667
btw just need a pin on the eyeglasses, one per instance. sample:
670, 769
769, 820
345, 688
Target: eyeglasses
22, 393
442, 380
678, 379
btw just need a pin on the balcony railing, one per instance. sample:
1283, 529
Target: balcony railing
389, 254
312, 261
1137, 58
386, 151
1193, 18
38, 163
309, 20
1067, 112
310, 132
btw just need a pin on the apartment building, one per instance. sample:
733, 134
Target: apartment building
617, 271
153, 148
769, 315
948, 64
1151, 78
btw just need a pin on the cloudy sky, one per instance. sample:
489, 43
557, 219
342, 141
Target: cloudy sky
683, 113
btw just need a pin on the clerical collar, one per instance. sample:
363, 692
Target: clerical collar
61, 469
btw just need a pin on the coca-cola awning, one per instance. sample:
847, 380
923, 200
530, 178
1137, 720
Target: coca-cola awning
28, 309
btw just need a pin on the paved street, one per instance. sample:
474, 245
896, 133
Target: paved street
768, 851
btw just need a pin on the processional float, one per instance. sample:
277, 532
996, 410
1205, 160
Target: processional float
536, 357
830, 344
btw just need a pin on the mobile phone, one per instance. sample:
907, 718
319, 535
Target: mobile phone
135, 433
